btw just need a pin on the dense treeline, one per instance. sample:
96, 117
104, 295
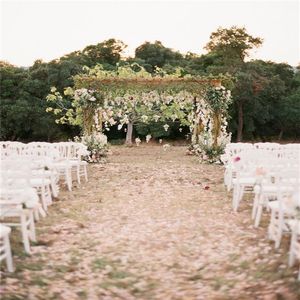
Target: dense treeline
266, 94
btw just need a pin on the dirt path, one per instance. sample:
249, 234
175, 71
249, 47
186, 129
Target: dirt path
150, 225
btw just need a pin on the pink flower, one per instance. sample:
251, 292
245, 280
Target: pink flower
236, 159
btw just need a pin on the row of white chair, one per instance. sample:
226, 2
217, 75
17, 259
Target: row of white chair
259, 153
63, 156
28, 183
272, 173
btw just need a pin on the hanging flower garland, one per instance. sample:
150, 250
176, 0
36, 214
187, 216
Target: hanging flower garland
106, 98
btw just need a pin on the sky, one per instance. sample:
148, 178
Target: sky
46, 30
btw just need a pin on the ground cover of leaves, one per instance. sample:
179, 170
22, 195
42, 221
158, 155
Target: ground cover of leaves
150, 224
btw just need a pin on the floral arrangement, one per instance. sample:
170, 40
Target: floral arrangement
166, 147
96, 145
102, 99
138, 141
218, 98
148, 138
209, 144
207, 151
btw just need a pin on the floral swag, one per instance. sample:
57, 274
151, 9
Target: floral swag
97, 109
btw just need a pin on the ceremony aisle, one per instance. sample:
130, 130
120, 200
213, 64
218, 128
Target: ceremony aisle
152, 223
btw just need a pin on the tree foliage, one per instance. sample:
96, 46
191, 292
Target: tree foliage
153, 55
233, 43
265, 94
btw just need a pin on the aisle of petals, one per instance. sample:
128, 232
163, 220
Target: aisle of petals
150, 224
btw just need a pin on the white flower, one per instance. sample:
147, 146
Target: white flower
156, 118
120, 126
112, 121
144, 118
138, 141
166, 147
180, 129
148, 137
166, 127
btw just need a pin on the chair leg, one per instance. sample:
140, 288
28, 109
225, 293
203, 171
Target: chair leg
279, 230
85, 173
43, 197
229, 184
291, 257
36, 214
259, 211
68, 175
238, 195
48, 194
24, 231
41, 211
255, 206
235, 198
32, 234
241, 194
271, 230
9, 260
258, 216
278, 238
78, 173
54, 187
292, 245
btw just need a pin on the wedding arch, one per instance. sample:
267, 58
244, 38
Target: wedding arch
101, 99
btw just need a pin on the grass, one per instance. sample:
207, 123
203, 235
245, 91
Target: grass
100, 264
115, 274
39, 281
63, 268
82, 294
195, 277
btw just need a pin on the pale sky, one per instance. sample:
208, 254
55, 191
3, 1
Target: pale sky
46, 30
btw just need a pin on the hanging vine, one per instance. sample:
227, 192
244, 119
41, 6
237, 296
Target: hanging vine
101, 99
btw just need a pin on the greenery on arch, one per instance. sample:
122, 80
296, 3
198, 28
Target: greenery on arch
126, 97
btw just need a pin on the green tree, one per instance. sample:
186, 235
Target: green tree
230, 47
233, 43
261, 96
23, 105
157, 55
107, 52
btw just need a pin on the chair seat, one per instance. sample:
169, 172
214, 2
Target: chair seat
21, 195
37, 182
295, 225
245, 180
4, 230
273, 189
76, 162
274, 205
47, 173
61, 164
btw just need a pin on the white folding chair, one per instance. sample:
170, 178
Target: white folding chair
5, 249
283, 209
18, 201
295, 244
